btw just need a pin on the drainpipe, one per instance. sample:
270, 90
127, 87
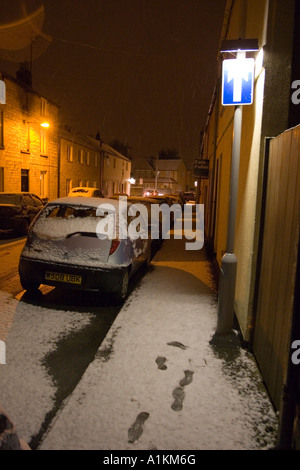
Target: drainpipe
58, 167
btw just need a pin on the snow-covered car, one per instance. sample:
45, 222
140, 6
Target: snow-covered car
83, 244
17, 210
85, 191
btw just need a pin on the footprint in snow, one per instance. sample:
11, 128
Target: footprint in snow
160, 361
136, 430
188, 377
177, 344
178, 395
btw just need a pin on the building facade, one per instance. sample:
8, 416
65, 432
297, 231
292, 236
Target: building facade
274, 24
28, 140
267, 117
116, 172
164, 175
79, 161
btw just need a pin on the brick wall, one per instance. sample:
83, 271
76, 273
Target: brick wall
21, 150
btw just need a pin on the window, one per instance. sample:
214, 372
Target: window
69, 153
27, 200
80, 156
88, 158
115, 162
1, 178
44, 107
24, 180
28, 137
1, 130
68, 185
44, 146
44, 183
37, 201
96, 159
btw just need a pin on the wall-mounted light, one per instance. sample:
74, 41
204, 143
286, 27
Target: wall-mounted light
45, 124
236, 45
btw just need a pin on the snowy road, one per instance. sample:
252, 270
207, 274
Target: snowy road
50, 339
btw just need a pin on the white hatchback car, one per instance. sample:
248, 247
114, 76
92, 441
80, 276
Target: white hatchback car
68, 246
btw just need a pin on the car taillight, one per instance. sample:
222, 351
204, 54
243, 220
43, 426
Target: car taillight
114, 246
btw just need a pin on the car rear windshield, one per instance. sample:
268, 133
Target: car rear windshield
80, 190
68, 212
10, 199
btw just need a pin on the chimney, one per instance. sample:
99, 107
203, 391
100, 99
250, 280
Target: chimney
24, 75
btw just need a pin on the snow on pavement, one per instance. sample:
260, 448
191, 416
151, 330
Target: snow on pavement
157, 382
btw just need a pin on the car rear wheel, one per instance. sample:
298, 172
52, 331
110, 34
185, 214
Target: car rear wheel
23, 230
148, 253
122, 293
30, 286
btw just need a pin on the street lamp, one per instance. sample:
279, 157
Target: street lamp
237, 90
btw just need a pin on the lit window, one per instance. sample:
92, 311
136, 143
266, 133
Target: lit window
1, 130
68, 185
80, 156
69, 153
44, 107
44, 146
43, 183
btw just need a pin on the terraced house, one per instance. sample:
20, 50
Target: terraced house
40, 155
28, 138
79, 161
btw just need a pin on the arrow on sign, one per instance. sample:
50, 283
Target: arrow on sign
239, 71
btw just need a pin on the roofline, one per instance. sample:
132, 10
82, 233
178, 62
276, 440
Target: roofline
26, 88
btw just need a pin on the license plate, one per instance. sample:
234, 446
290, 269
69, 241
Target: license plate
63, 277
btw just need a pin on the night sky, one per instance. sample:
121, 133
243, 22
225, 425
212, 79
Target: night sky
140, 71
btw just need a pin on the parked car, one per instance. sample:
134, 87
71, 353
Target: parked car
66, 247
189, 196
17, 211
176, 198
150, 192
85, 191
147, 202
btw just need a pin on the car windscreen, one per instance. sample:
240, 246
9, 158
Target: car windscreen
10, 199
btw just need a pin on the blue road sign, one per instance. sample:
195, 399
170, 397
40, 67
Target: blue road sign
237, 81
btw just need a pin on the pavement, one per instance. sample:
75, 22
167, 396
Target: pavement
161, 380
